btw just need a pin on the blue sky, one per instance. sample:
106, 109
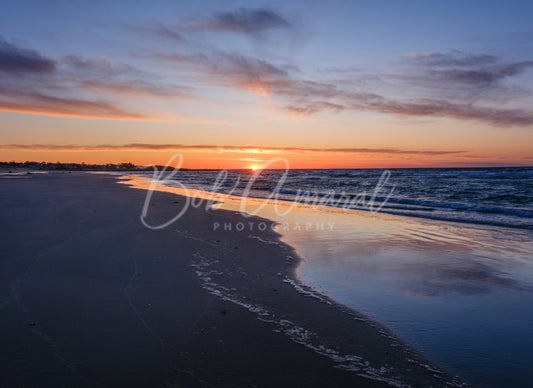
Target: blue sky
429, 76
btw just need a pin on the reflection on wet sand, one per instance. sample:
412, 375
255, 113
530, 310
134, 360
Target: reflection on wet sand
432, 282
462, 293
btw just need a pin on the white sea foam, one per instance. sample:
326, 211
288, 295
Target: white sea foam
270, 242
206, 274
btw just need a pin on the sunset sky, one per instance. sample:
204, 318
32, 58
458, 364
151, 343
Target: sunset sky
230, 84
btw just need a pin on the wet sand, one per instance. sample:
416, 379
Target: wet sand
91, 297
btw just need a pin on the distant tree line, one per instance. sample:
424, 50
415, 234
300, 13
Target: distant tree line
69, 166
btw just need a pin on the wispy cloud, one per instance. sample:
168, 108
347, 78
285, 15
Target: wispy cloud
235, 70
456, 85
35, 103
218, 148
102, 74
305, 96
138, 87
244, 20
74, 86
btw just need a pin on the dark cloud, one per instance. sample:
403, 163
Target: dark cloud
166, 31
494, 116
480, 77
240, 66
158, 30
462, 69
217, 148
98, 67
18, 60
247, 21
314, 107
454, 58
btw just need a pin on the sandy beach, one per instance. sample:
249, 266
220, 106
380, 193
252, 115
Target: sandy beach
91, 297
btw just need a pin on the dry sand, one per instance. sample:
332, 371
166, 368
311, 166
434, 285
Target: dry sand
91, 297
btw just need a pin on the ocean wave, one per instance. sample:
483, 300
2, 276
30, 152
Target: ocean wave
491, 196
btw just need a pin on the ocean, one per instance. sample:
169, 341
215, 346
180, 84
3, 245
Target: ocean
443, 256
491, 196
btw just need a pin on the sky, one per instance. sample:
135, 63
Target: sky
233, 84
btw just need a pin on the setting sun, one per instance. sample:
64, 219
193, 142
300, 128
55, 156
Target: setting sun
254, 168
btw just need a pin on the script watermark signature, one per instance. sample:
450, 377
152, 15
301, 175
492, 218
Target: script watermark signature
373, 201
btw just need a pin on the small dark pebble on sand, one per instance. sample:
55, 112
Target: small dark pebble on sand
223, 312
32, 324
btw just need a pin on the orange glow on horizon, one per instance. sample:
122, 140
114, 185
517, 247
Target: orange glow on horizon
198, 159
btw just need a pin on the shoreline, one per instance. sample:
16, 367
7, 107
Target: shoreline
181, 305
231, 204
